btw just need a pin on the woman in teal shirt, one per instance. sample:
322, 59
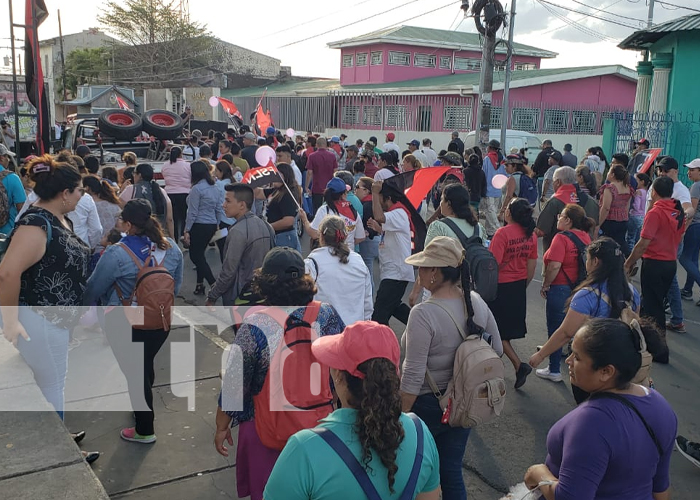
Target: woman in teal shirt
385, 443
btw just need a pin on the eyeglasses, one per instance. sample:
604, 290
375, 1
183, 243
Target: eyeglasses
360, 187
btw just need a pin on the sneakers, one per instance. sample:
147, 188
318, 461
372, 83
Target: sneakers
129, 434
546, 374
679, 328
686, 294
689, 450
521, 375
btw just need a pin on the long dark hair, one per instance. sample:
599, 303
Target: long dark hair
331, 198
613, 342
289, 179
611, 271
52, 177
588, 179
333, 230
145, 170
225, 168
620, 173
462, 274
102, 188
378, 403
139, 214
521, 212
175, 153
200, 171
457, 196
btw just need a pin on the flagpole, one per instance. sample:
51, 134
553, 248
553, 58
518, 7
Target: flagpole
290, 192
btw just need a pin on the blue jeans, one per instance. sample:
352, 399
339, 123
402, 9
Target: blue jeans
451, 443
634, 229
674, 296
288, 239
46, 354
689, 256
556, 310
369, 251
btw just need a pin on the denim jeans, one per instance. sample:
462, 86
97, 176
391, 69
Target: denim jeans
556, 310
46, 354
689, 256
451, 443
288, 239
634, 229
369, 250
674, 296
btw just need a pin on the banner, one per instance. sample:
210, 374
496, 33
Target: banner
650, 155
262, 176
416, 184
35, 14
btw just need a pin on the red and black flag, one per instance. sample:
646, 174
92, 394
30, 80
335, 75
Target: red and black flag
416, 184
35, 14
262, 176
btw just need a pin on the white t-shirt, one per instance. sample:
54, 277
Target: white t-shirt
421, 158
395, 247
342, 285
389, 146
354, 229
383, 174
297, 173
680, 193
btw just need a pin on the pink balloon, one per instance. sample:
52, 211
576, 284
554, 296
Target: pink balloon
290, 133
264, 155
499, 180
213, 101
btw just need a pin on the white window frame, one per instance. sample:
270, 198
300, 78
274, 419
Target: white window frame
496, 117
457, 117
445, 62
556, 121
348, 60
376, 58
395, 55
527, 119
467, 64
361, 59
424, 60
523, 66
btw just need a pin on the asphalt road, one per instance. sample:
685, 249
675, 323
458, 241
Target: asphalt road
498, 454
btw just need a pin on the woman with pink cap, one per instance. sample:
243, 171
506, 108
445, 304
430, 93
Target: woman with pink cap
367, 448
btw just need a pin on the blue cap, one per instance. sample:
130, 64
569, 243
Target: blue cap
271, 130
337, 185
415, 143
335, 138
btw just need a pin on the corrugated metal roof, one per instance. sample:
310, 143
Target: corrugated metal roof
88, 100
425, 85
422, 36
645, 38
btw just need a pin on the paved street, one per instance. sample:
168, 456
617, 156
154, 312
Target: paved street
184, 465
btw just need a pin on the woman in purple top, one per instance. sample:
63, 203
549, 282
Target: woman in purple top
617, 444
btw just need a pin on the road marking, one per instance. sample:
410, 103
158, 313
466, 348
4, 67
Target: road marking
214, 339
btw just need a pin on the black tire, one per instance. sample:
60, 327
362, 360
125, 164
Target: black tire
119, 124
163, 124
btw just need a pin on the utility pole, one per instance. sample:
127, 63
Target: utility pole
63, 63
509, 64
650, 23
493, 18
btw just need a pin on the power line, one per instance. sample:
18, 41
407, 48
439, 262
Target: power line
611, 13
677, 6
367, 18
583, 29
582, 18
589, 15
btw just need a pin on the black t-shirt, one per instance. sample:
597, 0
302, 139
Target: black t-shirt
58, 279
248, 154
279, 209
541, 164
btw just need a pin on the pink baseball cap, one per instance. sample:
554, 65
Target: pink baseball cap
358, 343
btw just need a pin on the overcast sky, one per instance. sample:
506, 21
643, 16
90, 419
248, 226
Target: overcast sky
277, 23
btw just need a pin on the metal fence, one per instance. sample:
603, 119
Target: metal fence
420, 113
678, 134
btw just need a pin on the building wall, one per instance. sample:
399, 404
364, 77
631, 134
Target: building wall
88, 39
386, 73
685, 74
240, 61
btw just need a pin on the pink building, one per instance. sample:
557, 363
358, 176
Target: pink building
427, 80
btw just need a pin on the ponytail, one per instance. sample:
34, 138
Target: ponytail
175, 153
521, 212
154, 232
378, 403
332, 229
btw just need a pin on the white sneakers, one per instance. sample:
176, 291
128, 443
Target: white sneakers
544, 373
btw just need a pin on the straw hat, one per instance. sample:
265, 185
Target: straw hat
442, 251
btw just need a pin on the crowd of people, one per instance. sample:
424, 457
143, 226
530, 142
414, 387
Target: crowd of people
82, 235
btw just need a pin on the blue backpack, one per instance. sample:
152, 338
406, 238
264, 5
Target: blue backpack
527, 188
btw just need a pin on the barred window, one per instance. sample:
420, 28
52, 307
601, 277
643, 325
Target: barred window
556, 121
362, 59
347, 60
424, 60
583, 122
395, 117
399, 58
372, 115
526, 119
466, 64
457, 118
445, 62
496, 117
525, 66
351, 115
376, 58
499, 66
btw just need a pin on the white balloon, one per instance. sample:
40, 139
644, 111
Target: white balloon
499, 180
213, 101
290, 133
264, 155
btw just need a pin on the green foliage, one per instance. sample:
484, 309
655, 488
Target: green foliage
84, 67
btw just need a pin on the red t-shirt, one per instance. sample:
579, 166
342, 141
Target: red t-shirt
661, 227
323, 165
564, 251
512, 250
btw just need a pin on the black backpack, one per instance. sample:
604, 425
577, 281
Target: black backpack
482, 264
581, 249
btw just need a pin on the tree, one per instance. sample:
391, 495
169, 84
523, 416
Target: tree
84, 67
162, 49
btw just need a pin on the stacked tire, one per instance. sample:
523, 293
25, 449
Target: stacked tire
126, 125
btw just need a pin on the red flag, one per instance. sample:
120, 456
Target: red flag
122, 103
263, 119
230, 107
35, 14
262, 176
416, 184
651, 155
